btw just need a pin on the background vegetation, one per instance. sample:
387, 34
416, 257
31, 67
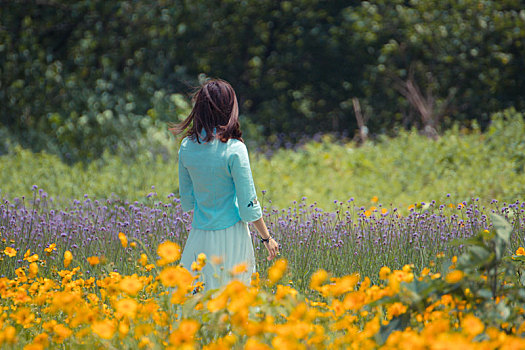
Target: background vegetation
79, 78
401, 171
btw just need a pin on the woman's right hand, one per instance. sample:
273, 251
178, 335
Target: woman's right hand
272, 247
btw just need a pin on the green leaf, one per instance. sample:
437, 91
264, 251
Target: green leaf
503, 228
398, 323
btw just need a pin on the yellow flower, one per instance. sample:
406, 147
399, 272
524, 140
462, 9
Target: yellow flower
68, 257
374, 199
127, 307
520, 251
373, 208
172, 276
472, 325
276, 272
50, 249
411, 206
123, 239
30, 258
93, 260
240, 268
384, 211
185, 333
143, 259
396, 309
454, 276
33, 270
131, 285
10, 252
318, 279
104, 329
133, 244
384, 272
368, 213
169, 252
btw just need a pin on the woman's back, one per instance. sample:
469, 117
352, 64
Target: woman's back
217, 181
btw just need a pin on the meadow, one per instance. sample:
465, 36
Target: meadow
402, 242
403, 170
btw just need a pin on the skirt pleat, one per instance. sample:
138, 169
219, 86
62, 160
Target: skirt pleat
224, 250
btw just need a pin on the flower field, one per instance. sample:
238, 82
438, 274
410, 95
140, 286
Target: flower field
104, 274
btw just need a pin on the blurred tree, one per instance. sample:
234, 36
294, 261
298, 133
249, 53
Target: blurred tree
81, 77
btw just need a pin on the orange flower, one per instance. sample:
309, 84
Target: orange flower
131, 285
123, 239
520, 251
185, 333
33, 270
169, 252
104, 329
172, 276
127, 307
30, 258
454, 276
276, 272
318, 279
472, 325
240, 268
374, 199
68, 257
50, 249
10, 252
384, 272
93, 260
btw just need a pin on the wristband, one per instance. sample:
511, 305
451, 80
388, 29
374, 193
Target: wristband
266, 240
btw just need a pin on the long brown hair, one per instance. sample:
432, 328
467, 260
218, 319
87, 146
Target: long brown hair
215, 108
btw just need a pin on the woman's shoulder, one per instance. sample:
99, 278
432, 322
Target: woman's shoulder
236, 145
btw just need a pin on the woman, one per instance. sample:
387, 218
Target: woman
215, 181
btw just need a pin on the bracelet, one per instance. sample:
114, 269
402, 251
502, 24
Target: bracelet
266, 240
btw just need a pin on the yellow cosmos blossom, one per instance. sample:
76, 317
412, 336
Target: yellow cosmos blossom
143, 260
68, 257
411, 207
9, 335
10, 252
131, 285
127, 307
123, 239
318, 279
50, 249
104, 329
396, 309
472, 325
133, 244
93, 260
373, 208
33, 270
384, 272
185, 333
30, 258
240, 268
169, 252
276, 272
520, 251
368, 213
172, 276
454, 276
374, 199
384, 211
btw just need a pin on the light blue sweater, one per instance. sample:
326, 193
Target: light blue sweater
215, 180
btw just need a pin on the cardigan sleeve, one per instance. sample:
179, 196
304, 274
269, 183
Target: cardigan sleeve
249, 207
187, 198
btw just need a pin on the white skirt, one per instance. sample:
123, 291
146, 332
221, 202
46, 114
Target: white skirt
224, 250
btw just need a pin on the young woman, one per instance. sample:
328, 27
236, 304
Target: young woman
215, 181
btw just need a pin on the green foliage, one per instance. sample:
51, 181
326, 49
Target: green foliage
81, 78
404, 170
486, 278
